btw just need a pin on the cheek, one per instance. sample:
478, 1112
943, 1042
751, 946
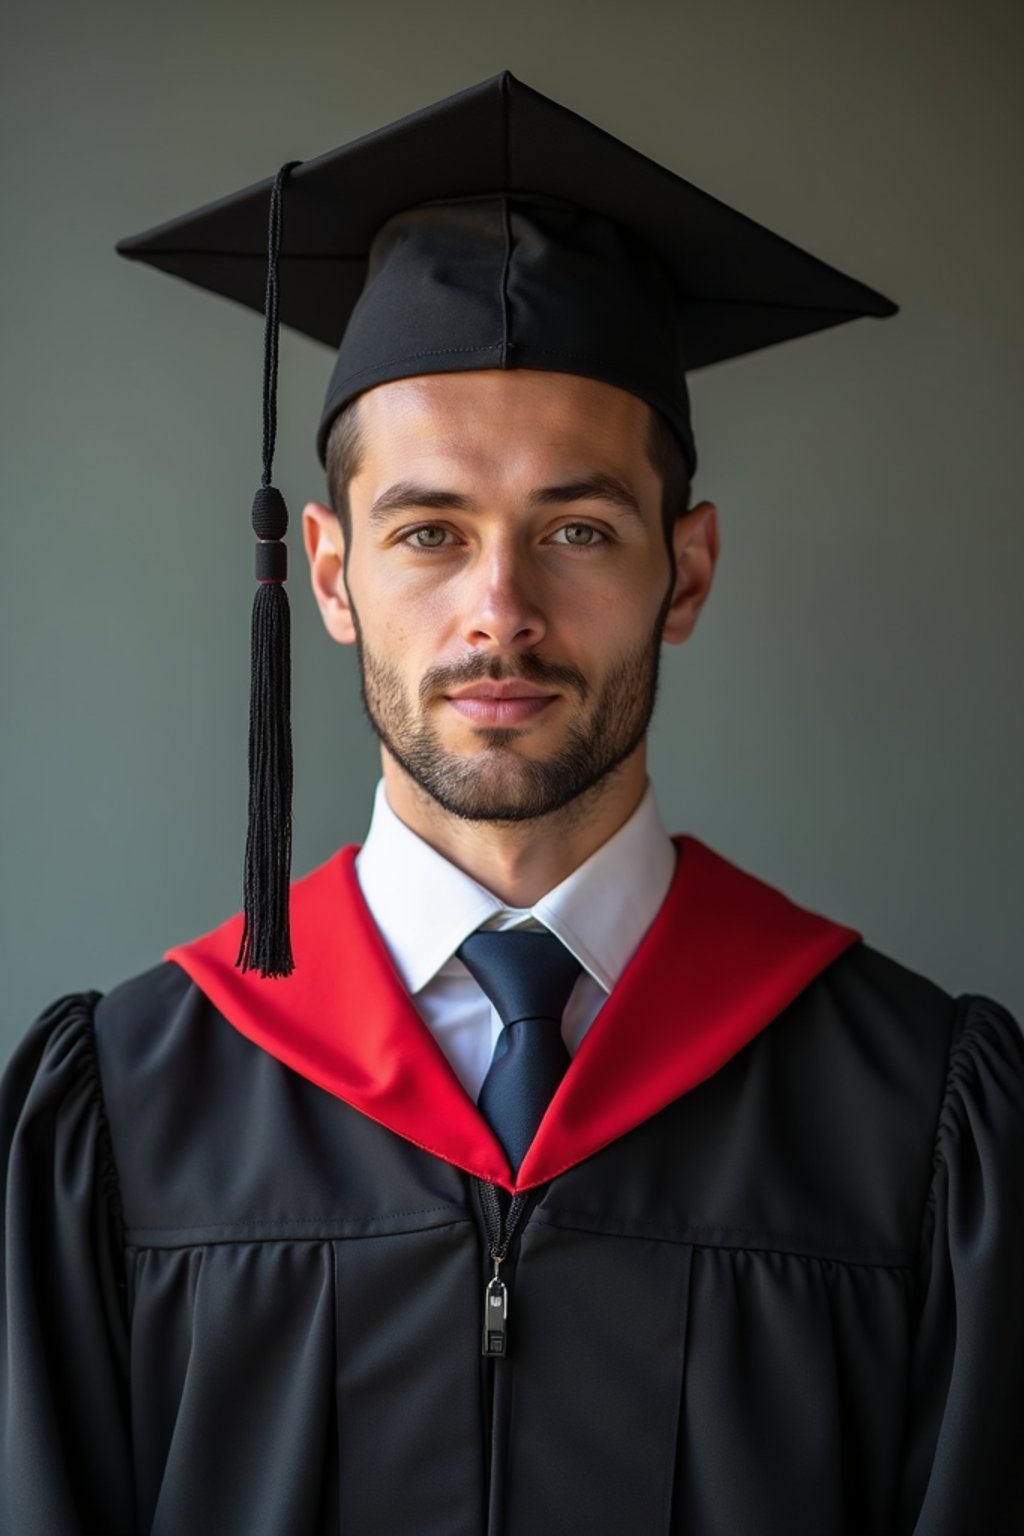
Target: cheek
611, 614
405, 620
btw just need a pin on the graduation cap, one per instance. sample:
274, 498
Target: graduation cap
492, 229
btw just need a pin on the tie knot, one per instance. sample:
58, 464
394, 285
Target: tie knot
526, 975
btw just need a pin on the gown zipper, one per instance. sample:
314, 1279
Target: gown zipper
501, 1227
502, 1218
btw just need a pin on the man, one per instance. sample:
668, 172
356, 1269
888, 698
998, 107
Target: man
566, 1177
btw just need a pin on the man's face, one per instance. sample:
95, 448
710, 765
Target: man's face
507, 583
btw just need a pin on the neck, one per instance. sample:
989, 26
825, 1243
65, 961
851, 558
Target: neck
519, 862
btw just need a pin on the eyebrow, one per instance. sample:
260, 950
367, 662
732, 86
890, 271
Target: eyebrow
596, 487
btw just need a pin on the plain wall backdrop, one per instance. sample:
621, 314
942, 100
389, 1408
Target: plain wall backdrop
846, 722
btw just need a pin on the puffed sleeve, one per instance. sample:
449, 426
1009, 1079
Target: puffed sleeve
65, 1467
963, 1464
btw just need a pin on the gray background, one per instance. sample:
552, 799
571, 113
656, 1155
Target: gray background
846, 722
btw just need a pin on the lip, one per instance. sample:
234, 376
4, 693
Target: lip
501, 704
508, 688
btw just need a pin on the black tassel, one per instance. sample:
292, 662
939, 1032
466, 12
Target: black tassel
266, 940
266, 934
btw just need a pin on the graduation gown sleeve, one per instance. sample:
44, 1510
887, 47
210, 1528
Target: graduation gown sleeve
963, 1464
65, 1467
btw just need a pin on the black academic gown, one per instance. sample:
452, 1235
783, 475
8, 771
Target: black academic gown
767, 1281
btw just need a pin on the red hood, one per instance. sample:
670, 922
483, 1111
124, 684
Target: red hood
723, 957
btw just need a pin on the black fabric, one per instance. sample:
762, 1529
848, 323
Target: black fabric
528, 977
515, 282
496, 228
788, 1303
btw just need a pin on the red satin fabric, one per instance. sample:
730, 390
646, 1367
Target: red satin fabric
724, 956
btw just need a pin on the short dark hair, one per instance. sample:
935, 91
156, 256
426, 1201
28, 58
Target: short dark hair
345, 452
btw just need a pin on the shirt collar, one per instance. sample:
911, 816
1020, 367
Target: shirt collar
424, 906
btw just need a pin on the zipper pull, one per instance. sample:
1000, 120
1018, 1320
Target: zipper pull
499, 1235
495, 1341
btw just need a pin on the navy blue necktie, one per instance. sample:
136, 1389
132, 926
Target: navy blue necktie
528, 977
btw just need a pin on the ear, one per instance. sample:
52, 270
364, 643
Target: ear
325, 550
695, 545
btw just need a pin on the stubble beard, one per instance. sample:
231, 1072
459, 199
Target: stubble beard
498, 784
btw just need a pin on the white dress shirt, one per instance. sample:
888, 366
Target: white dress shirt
424, 907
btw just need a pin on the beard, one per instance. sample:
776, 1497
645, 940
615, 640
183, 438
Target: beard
497, 783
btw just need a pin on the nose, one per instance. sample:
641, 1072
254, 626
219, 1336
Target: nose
502, 608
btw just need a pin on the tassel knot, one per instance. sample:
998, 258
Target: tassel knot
269, 513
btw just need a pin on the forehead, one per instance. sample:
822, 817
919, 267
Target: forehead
484, 417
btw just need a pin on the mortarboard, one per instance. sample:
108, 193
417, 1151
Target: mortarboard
492, 229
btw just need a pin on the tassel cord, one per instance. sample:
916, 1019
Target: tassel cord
266, 940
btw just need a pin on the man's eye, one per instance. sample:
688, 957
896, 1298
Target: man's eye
580, 534
430, 536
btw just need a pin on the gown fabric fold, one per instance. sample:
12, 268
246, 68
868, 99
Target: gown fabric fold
788, 1302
